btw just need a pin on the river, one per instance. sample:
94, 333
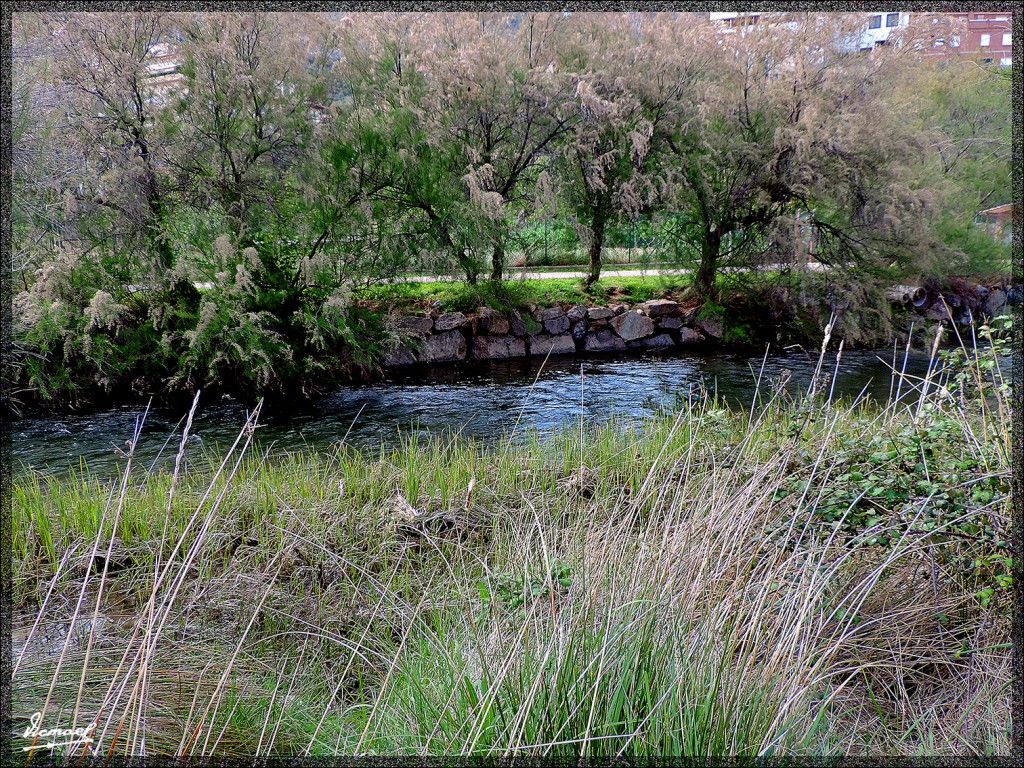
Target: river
483, 401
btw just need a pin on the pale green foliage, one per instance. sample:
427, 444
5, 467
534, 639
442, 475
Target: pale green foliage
965, 112
229, 338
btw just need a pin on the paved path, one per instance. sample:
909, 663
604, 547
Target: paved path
516, 274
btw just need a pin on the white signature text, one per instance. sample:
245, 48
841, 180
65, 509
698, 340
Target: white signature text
72, 736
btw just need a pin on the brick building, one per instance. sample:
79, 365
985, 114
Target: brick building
986, 36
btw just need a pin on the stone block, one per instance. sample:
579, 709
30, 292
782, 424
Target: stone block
516, 323
557, 325
492, 322
689, 337
397, 355
603, 340
632, 325
417, 325
444, 347
710, 328
577, 313
995, 301
562, 344
657, 343
498, 347
938, 311
660, 308
449, 321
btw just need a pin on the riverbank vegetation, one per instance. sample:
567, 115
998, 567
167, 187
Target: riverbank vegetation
458, 296
298, 162
802, 577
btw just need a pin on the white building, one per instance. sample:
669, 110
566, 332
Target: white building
880, 26
876, 32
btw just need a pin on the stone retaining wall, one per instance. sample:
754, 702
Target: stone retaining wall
657, 325
487, 334
962, 303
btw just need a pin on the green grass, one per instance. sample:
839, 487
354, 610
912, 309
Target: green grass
524, 294
709, 581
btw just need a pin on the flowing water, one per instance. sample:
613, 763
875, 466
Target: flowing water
482, 402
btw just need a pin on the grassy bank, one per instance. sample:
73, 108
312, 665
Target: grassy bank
522, 294
805, 577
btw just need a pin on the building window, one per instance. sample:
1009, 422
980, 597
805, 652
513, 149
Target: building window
1007, 38
892, 20
955, 41
876, 22
986, 40
1006, 61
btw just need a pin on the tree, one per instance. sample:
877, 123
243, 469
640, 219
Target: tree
499, 96
410, 174
46, 161
252, 81
964, 113
629, 74
102, 61
349, 222
787, 126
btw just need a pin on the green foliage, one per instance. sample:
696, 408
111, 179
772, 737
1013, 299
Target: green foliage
524, 294
514, 592
549, 243
617, 686
271, 321
974, 379
928, 475
83, 330
915, 473
966, 112
983, 256
503, 296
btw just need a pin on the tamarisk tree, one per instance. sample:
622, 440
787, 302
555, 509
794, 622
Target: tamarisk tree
787, 124
630, 74
498, 94
101, 61
248, 111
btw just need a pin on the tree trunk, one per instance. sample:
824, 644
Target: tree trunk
154, 228
498, 260
155, 233
710, 247
163, 249
468, 266
595, 251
